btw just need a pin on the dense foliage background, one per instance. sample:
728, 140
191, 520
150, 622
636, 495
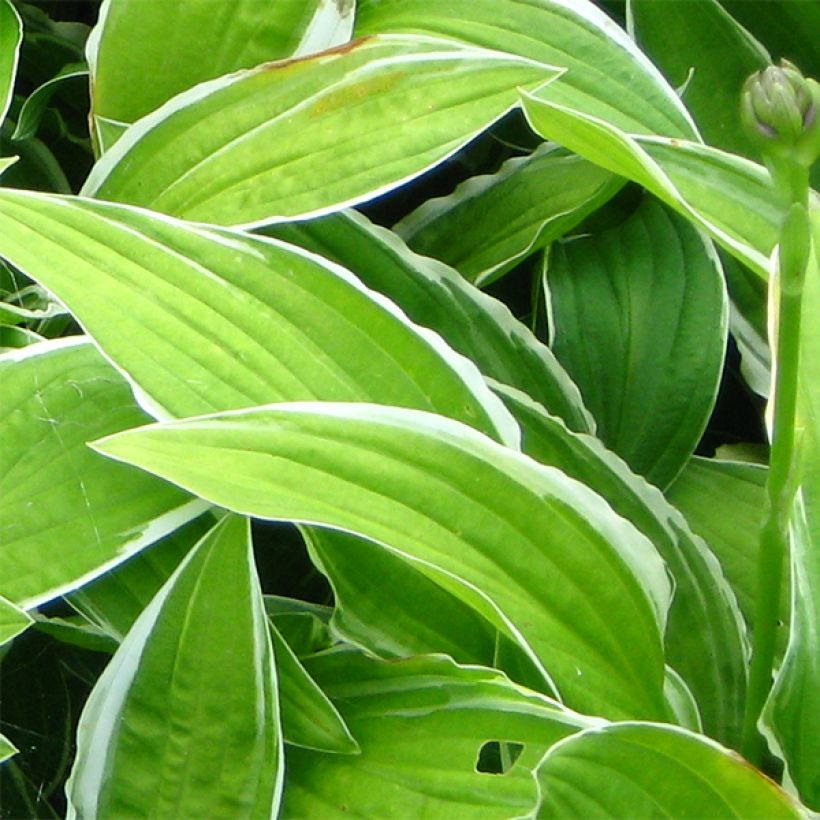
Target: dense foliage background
383, 391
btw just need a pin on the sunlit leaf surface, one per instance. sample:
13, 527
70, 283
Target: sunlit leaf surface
202, 320
303, 137
146, 51
538, 554
727, 196
11, 34
646, 770
434, 295
704, 621
13, 620
66, 515
607, 75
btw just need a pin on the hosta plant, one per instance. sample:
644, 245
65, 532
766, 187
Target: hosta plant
383, 391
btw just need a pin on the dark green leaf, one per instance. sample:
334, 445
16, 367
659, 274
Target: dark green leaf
701, 48
639, 319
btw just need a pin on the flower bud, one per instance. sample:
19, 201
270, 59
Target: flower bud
780, 110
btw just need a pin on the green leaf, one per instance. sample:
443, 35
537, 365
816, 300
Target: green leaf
7, 749
38, 168
704, 637
11, 35
422, 724
786, 29
7, 162
434, 295
638, 316
304, 137
748, 320
13, 338
700, 47
143, 52
116, 599
723, 501
54, 491
75, 630
489, 223
201, 319
729, 197
157, 737
304, 625
309, 719
607, 75
793, 710
13, 314
108, 132
650, 770
36, 104
13, 621
492, 526
405, 613
682, 702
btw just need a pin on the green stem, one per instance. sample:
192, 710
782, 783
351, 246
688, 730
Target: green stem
781, 483
775, 532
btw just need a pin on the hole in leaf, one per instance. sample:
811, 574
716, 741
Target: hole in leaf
498, 756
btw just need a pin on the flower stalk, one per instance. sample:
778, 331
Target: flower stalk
781, 112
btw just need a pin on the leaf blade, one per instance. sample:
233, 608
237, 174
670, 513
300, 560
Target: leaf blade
651, 769
200, 319
54, 491
606, 74
741, 213
207, 758
701, 47
402, 710
704, 619
376, 465
490, 223
11, 35
435, 296
143, 53
13, 621
639, 318
404, 103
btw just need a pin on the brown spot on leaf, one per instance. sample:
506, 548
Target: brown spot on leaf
336, 50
